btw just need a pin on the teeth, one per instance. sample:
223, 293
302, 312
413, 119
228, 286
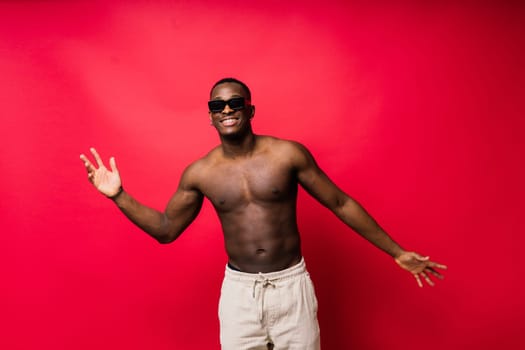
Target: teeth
229, 120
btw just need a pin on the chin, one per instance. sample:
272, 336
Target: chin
233, 134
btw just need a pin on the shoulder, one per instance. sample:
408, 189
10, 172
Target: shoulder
198, 170
293, 151
289, 147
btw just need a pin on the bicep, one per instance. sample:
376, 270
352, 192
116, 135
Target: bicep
316, 182
184, 205
184, 202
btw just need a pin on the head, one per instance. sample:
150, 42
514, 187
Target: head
236, 81
230, 107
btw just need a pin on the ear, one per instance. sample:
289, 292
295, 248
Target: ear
252, 114
211, 120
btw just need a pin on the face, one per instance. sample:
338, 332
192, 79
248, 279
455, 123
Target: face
229, 122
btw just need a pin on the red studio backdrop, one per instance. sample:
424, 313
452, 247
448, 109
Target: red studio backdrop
415, 109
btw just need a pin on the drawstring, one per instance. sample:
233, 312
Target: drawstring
265, 282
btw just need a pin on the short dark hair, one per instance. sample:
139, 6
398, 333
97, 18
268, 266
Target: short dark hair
236, 81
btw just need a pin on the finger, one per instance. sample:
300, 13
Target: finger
434, 272
87, 163
435, 264
113, 164
421, 258
418, 280
97, 157
427, 279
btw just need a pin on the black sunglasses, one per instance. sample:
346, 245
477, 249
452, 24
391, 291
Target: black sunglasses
236, 103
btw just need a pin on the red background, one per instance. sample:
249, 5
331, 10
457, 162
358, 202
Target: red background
415, 109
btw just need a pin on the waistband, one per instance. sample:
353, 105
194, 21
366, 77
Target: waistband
287, 273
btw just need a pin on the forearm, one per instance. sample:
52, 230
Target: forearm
151, 221
355, 216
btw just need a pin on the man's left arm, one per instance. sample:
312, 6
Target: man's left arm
317, 184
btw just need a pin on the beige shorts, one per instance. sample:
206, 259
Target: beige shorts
278, 307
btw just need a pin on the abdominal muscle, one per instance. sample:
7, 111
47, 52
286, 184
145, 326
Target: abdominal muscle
261, 239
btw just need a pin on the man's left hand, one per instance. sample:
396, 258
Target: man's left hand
420, 266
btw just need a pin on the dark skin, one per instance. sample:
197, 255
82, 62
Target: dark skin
252, 182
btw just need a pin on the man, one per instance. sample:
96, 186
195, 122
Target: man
267, 298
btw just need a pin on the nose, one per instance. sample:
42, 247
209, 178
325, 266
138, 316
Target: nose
227, 109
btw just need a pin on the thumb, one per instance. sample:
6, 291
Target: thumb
421, 258
113, 164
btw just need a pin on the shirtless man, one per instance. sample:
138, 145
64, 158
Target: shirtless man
267, 298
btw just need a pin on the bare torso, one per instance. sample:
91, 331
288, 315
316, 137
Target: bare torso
255, 199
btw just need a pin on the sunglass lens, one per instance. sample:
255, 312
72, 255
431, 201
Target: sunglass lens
216, 105
236, 103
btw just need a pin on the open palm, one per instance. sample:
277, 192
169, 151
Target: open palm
106, 181
420, 266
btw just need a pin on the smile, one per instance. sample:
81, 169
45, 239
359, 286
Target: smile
229, 121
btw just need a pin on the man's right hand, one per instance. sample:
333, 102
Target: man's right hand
106, 181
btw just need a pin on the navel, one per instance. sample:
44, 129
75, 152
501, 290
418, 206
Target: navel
260, 251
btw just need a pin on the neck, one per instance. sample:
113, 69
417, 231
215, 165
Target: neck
238, 145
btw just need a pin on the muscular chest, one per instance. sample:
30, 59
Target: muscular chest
234, 184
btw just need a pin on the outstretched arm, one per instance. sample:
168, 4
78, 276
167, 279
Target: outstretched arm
165, 226
315, 182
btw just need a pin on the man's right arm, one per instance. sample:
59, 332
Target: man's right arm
165, 226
